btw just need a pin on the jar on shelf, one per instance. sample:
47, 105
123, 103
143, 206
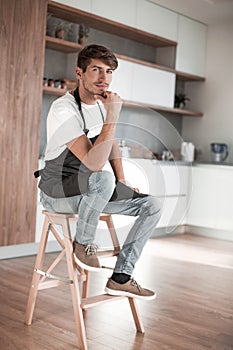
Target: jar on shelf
57, 84
51, 82
45, 81
63, 84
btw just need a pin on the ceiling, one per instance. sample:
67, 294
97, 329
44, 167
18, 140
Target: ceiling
206, 11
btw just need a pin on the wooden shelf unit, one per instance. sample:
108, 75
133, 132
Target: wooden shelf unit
109, 26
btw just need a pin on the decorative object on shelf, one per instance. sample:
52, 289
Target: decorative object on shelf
57, 27
60, 33
70, 84
62, 29
83, 34
180, 100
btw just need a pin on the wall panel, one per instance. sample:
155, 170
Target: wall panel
22, 58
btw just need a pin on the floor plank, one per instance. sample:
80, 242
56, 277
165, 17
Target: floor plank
192, 275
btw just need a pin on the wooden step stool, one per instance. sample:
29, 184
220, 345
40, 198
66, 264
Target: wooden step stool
76, 274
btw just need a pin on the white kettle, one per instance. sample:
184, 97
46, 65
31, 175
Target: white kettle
187, 151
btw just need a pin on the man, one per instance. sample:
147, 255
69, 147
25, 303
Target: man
81, 139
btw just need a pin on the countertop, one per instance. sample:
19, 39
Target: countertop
213, 164
182, 162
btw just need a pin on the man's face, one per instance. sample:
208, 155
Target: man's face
97, 77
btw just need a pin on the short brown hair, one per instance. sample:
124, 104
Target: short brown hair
99, 52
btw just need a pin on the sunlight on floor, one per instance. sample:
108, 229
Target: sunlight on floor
178, 248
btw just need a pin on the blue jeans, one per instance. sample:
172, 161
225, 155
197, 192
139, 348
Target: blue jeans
90, 205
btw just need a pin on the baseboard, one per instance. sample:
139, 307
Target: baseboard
209, 232
170, 230
196, 230
27, 249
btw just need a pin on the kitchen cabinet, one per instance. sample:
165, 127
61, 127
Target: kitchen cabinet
212, 193
157, 20
113, 11
84, 5
151, 84
157, 85
167, 181
124, 73
191, 47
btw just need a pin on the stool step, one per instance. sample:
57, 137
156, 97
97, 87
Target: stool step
107, 253
99, 299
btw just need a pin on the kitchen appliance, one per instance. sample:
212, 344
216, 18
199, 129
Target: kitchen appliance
187, 151
219, 151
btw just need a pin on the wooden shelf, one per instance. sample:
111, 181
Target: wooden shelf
53, 91
61, 45
188, 77
145, 63
185, 112
179, 111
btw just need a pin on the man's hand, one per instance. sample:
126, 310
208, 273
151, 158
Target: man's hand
133, 188
112, 103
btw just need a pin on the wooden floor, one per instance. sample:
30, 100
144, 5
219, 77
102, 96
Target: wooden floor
192, 275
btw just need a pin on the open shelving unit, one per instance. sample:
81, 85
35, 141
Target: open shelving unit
103, 24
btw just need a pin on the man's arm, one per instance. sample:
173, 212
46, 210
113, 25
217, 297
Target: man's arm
95, 156
116, 162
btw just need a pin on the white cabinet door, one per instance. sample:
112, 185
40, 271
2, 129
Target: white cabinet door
138, 83
202, 210
162, 179
170, 184
84, 5
157, 20
224, 195
122, 80
124, 13
153, 86
174, 212
191, 48
210, 204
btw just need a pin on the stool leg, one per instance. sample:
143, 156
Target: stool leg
137, 321
78, 314
36, 277
85, 286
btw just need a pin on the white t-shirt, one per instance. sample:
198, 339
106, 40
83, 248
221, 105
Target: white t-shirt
64, 123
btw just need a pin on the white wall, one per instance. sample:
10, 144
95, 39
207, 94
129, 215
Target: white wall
215, 96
